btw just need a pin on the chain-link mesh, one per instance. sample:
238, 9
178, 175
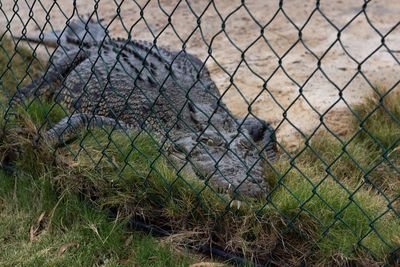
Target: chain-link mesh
285, 112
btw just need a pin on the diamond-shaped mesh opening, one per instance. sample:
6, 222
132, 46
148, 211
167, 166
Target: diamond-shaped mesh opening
279, 24
251, 119
340, 15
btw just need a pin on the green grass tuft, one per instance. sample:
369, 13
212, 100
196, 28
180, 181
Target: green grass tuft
18, 66
380, 118
71, 231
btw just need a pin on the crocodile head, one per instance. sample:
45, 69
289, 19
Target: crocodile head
227, 154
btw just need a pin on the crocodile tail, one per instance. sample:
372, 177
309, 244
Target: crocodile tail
50, 39
84, 30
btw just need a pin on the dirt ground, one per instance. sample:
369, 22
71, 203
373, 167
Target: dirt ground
244, 59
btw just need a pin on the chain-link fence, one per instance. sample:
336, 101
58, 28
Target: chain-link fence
266, 128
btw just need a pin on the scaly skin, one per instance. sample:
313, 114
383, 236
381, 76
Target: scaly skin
135, 84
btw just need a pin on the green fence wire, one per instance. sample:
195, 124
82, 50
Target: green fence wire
337, 189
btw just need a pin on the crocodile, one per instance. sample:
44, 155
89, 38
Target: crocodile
137, 85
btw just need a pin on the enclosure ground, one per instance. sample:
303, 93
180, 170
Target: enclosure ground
296, 84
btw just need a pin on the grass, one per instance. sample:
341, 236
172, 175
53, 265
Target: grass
349, 185
334, 201
18, 66
38, 227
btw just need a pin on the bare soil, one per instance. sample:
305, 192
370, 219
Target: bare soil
257, 59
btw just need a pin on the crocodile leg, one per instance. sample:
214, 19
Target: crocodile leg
70, 125
55, 74
262, 133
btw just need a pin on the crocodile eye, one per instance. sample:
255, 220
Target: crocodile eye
212, 141
207, 141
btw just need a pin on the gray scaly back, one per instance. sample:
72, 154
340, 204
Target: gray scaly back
135, 84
